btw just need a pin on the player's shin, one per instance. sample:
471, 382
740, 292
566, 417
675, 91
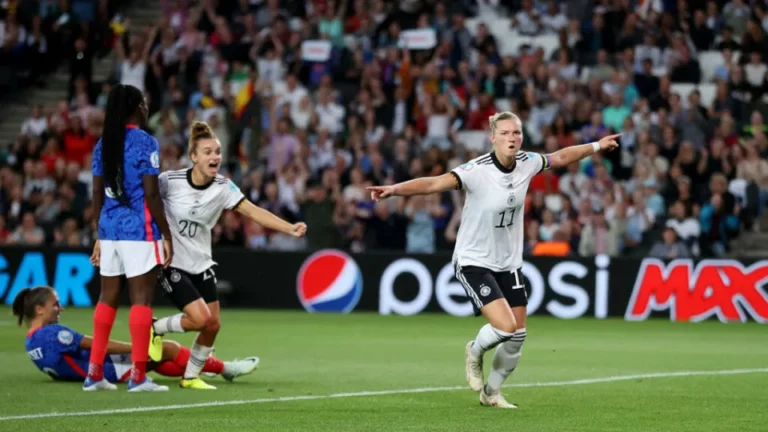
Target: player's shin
139, 323
171, 324
505, 361
103, 318
487, 338
198, 355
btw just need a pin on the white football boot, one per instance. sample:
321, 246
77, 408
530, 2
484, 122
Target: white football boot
474, 369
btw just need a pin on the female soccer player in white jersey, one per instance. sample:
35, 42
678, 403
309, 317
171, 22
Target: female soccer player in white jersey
194, 200
488, 255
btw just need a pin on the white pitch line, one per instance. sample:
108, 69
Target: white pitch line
378, 393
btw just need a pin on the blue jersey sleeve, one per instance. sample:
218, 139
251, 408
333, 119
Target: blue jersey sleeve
62, 339
149, 159
96, 164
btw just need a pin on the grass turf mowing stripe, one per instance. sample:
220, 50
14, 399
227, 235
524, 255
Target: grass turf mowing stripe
380, 393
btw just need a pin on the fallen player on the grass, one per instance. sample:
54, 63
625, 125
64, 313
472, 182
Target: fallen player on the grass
63, 353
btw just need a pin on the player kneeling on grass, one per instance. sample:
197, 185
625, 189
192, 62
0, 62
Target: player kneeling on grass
488, 256
63, 353
194, 199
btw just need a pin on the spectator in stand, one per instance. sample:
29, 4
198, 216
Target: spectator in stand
686, 227
302, 137
670, 247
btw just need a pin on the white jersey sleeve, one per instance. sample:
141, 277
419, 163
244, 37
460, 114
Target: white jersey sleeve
535, 163
234, 196
162, 180
469, 175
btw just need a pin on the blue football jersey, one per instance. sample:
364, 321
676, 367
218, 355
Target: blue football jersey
55, 350
130, 222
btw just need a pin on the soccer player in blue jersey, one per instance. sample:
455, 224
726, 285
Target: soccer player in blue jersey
134, 239
63, 353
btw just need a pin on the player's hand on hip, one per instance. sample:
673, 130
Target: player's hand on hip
168, 252
96, 256
609, 142
299, 229
381, 192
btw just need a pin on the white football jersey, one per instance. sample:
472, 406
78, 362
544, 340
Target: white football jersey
192, 211
491, 230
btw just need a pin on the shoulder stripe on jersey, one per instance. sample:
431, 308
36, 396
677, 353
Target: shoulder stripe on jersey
484, 158
458, 180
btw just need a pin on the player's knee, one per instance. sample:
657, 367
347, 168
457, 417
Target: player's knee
507, 326
199, 321
212, 325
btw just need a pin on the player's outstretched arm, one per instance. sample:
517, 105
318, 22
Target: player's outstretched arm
419, 186
269, 220
576, 153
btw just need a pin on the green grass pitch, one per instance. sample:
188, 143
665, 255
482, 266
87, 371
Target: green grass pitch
560, 383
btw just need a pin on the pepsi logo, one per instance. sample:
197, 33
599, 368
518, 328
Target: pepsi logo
329, 281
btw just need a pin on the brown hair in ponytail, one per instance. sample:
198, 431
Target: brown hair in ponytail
199, 131
27, 301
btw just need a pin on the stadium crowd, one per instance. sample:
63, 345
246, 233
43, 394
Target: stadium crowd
305, 135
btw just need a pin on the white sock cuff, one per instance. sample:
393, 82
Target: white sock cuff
200, 350
174, 324
501, 334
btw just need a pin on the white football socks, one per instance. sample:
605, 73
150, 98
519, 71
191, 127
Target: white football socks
505, 361
199, 354
487, 338
171, 324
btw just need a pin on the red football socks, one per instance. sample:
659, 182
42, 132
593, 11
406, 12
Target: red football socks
177, 366
103, 318
139, 323
169, 369
213, 365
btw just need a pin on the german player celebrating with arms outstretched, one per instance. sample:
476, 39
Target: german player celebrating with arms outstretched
194, 199
488, 256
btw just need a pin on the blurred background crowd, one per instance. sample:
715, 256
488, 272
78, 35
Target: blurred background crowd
314, 100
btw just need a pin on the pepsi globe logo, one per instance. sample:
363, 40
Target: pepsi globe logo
329, 281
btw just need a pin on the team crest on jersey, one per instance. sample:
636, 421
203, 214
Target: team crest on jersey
467, 166
65, 337
511, 200
175, 276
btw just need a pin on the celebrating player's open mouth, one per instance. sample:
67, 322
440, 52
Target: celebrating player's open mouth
210, 153
488, 257
194, 200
